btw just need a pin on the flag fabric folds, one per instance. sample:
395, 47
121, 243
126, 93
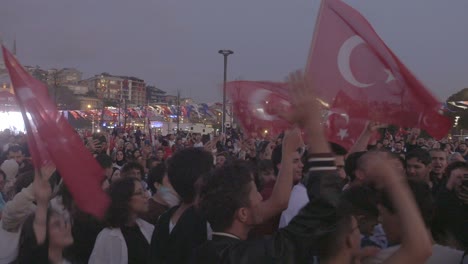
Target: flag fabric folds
52, 140
348, 57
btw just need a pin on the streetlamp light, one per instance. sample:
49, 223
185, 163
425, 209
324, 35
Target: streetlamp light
225, 53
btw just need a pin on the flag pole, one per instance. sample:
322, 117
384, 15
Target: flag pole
314, 36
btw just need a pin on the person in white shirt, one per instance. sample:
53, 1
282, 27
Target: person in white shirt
395, 232
299, 196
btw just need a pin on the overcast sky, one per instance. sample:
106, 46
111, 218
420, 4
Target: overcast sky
173, 44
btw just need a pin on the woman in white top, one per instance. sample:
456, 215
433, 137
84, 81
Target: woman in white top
127, 238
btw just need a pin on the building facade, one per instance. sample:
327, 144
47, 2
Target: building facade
114, 88
63, 76
154, 95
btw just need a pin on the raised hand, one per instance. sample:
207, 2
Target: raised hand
373, 126
292, 141
303, 101
379, 168
42, 193
41, 185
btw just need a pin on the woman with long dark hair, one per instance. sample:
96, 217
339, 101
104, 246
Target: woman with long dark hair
46, 233
119, 160
127, 237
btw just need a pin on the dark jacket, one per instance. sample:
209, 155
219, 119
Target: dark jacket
292, 244
450, 218
176, 247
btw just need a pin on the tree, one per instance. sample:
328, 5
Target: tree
109, 102
64, 97
91, 94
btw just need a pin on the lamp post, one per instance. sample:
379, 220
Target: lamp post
225, 53
92, 122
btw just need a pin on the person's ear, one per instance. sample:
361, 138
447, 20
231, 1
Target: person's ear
242, 214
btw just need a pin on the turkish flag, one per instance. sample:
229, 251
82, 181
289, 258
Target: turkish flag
257, 105
347, 55
342, 126
52, 139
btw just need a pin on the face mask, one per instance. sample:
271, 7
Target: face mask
169, 196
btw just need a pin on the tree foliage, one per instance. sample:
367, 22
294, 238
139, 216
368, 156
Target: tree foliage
64, 97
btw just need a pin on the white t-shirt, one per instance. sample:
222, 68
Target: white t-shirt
440, 254
297, 201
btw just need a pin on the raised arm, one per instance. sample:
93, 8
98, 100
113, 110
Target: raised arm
363, 140
416, 243
294, 242
279, 198
42, 193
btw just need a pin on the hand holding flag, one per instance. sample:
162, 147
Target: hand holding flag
52, 140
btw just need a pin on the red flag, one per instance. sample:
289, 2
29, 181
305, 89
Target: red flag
341, 125
348, 55
255, 105
52, 139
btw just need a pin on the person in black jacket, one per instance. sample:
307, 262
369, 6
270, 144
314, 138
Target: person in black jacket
182, 228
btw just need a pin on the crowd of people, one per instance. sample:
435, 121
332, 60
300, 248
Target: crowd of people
233, 198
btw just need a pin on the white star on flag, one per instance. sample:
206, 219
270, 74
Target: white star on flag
390, 77
343, 133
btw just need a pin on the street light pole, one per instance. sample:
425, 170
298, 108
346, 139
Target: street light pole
92, 122
178, 111
225, 53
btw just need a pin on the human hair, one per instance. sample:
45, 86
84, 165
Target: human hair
333, 231
127, 168
23, 180
420, 155
262, 166
160, 149
392, 155
398, 157
150, 161
263, 146
276, 156
454, 166
104, 160
67, 198
351, 164
363, 199
422, 195
224, 154
337, 149
439, 150
14, 148
120, 193
3, 174
156, 174
223, 192
28, 249
185, 168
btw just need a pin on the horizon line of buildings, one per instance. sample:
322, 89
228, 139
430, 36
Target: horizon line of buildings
98, 90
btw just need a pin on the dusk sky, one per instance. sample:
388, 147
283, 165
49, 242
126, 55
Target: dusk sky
173, 44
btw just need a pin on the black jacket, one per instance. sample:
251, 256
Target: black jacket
176, 247
292, 244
